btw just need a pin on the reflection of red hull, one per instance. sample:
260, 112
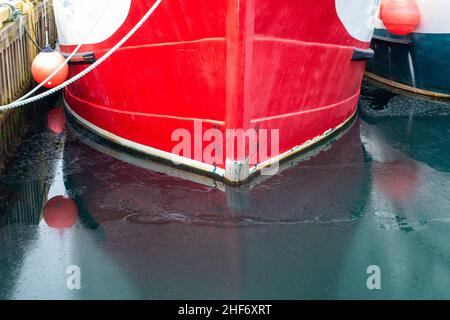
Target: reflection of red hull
168, 230
231, 65
118, 185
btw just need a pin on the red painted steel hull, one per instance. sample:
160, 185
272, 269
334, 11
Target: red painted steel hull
261, 64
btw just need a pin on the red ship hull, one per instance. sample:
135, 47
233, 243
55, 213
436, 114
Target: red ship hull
223, 65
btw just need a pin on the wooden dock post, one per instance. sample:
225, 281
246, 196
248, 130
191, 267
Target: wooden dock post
17, 52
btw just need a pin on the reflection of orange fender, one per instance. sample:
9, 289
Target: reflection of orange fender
400, 17
60, 213
396, 180
56, 120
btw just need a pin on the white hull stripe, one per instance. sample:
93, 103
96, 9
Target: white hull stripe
147, 150
200, 165
301, 147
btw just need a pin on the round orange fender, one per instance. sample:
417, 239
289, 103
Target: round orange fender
400, 17
45, 64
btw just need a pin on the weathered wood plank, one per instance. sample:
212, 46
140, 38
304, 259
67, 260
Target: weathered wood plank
16, 54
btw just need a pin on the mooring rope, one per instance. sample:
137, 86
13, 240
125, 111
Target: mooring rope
22, 101
16, 14
77, 48
13, 11
32, 39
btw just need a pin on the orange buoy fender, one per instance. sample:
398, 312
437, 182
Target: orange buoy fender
45, 64
382, 4
60, 213
400, 17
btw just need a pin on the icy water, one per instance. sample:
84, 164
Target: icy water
378, 195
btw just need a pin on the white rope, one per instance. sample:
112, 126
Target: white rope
87, 70
74, 52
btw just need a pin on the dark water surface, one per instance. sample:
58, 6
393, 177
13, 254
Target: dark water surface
377, 195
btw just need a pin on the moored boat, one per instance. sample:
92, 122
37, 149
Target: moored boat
228, 88
417, 61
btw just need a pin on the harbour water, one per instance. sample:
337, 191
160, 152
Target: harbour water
377, 196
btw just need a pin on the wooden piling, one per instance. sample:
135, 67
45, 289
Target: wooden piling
17, 52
